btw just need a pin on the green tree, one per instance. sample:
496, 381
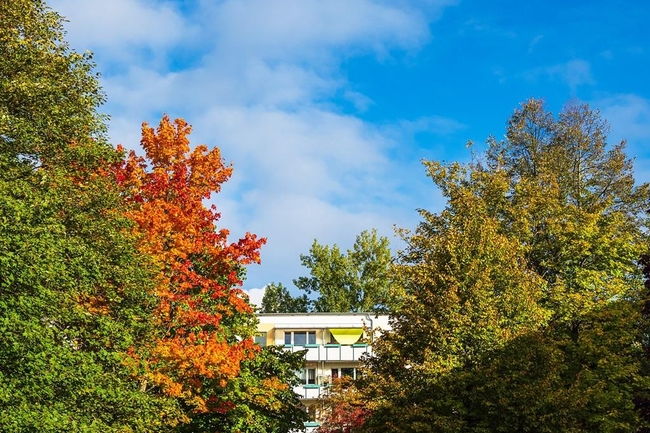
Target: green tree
521, 309
261, 399
642, 399
355, 281
277, 299
574, 205
74, 291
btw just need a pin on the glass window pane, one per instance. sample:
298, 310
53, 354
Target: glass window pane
287, 338
335, 373
311, 338
347, 372
311, 376
260, 338
299, 338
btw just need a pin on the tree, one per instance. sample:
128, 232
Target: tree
575, 205
642, 399
344, 407
74, 290
261, 399
355, 281
521, 309
277, 299
208, 323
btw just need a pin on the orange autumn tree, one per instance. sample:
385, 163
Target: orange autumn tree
206, 321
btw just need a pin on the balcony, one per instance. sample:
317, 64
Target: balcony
332, 352
309, 391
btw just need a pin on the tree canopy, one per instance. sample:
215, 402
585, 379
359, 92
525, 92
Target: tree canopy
277, 299
521, 297
75, 293
121, 306
355, 281
522, 306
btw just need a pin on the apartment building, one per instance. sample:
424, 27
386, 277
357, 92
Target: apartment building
334, 343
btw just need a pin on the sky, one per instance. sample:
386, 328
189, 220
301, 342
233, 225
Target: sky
326, 108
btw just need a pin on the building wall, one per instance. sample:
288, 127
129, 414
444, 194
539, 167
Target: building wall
333, 348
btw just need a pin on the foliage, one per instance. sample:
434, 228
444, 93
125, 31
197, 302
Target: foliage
73, 289
642, 399
555, 380
574, 205
521, 309
49, 94
261, 399
207, 320
344, 407
277, 299
355, 281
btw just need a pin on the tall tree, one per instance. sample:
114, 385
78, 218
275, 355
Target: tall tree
357, 280
574, 204
521, 306
74, 290
277, 299
208, 323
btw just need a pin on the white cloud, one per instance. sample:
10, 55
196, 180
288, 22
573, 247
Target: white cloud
293, 222
295, 149
629, 117
305, 28
255, 296
574, 73
533, 43
433, 124
112, 25
628, 114
257, 78
300, 176
360, 101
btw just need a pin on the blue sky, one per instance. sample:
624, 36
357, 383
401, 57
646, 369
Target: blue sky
327, 107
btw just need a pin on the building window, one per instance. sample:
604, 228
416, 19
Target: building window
311, 376
260, 338
307, 376
344, 372
299, 338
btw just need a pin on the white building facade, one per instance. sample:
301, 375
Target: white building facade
334, 342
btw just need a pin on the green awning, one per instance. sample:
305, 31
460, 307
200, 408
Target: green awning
346, 335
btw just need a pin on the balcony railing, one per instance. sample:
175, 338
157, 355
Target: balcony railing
332, 352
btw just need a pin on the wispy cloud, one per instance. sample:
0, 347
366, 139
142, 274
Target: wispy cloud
360, 101
480, 25
629, 117
533, 43
628, 114
574, 73
438, 125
